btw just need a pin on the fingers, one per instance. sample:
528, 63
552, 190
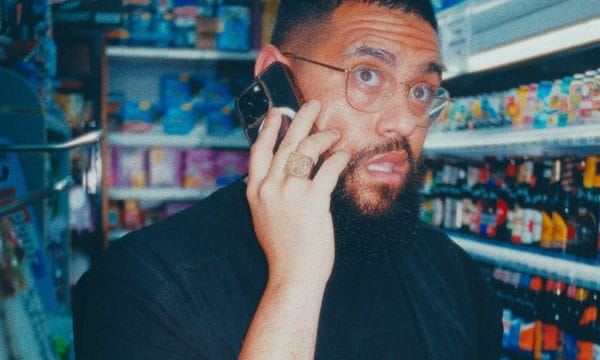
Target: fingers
326, 178
316, 144
299, 129
261, 153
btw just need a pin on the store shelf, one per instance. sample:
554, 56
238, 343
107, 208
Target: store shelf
126, 52
548, 43
575, 272
196, 138
534, 142
158, 194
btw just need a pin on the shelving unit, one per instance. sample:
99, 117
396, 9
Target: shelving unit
498, 45
508, 141
197, 138
519, 259
159, 194
126, 52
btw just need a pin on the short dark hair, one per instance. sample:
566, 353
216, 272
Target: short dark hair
295, 14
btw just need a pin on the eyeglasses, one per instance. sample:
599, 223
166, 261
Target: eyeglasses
368, 89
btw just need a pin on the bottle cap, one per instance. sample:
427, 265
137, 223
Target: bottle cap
537, 284
581, 294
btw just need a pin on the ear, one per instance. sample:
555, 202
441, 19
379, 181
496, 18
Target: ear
268, 55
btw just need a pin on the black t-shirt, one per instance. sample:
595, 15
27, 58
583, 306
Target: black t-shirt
188, 287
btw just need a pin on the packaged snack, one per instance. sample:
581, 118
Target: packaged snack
131, 217
199, 168
542, 105
164, 167
531, 105
137, 117
596, 97
234, 28
565, 114
553, 109
178, 120
577, 91
521, 108
230, 165
587, 100
129, 167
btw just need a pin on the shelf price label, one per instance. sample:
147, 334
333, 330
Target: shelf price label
455, 38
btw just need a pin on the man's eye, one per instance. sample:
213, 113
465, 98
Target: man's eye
421, 92
367, 76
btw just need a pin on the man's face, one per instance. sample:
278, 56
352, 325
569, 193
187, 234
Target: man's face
384, 144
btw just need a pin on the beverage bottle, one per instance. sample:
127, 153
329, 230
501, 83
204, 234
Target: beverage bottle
504, 183
565, 113
516, 222
552, 195
490, 214
427, 193
552, 335
588, 320
586, 222
479, 193
563, 215
530, 334
469, 210
569, 323
452, 200
525, 192
540, 182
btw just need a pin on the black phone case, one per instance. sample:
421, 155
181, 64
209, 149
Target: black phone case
274, 87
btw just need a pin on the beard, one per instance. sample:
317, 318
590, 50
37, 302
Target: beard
370, 226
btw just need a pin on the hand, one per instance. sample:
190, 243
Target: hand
291, 215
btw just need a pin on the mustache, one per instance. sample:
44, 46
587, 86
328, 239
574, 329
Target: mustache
394, 144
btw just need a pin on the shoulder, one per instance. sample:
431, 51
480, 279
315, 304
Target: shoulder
209, 231
439, 245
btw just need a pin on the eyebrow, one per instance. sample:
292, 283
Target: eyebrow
390, 59
431, 67
380, 54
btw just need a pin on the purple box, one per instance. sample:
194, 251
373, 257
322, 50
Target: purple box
129, 167
199, 168
164, 167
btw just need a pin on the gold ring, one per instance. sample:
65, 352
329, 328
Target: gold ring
299, 165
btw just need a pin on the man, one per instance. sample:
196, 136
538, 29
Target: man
327, 262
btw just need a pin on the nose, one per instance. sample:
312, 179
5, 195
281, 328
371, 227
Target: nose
396, 120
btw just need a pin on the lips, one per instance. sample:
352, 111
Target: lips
388, 163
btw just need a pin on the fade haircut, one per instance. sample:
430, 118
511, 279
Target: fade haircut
298, 15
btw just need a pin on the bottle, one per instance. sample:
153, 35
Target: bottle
585, 244
552, 335
588, 319
525, 193
504, 201
563, 217
550, 202
516, 223
470, 215
569, 323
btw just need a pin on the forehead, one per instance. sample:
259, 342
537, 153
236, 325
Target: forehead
355, 24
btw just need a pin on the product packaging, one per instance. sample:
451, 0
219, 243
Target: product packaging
199, 168
164, 167
129, 166
234, 28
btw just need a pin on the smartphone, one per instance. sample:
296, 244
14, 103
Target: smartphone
274, 87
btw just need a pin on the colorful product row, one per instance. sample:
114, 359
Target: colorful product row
169, 167
132, 215
546, 318
567, 101
201, 24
